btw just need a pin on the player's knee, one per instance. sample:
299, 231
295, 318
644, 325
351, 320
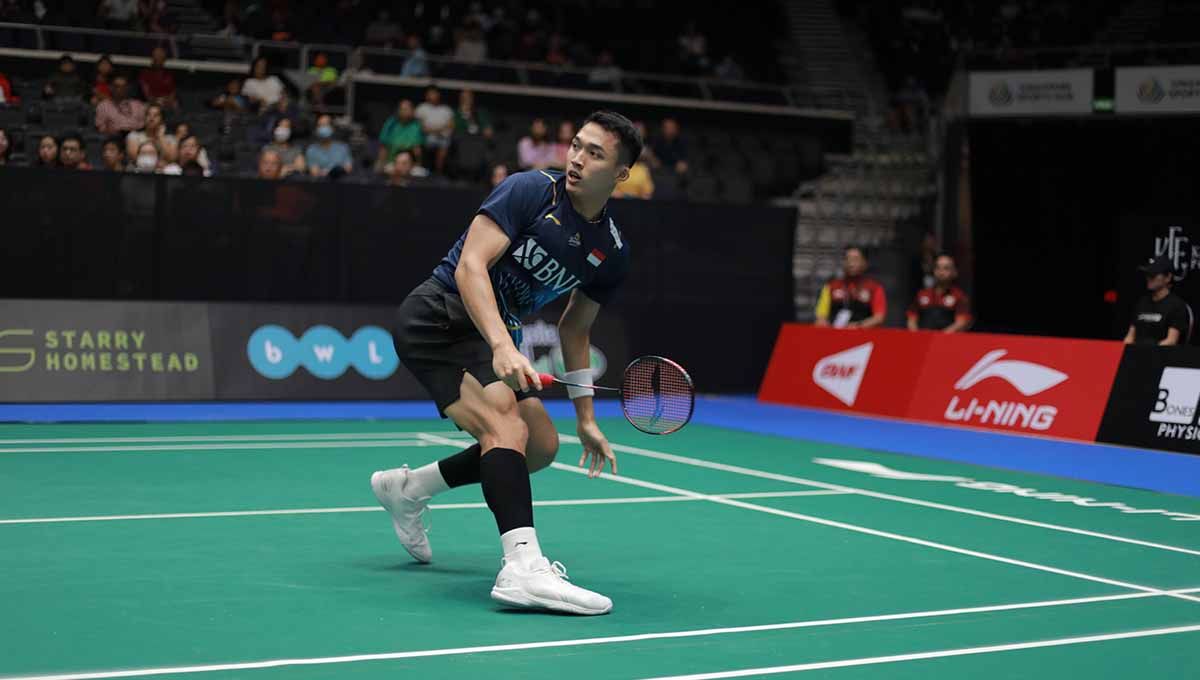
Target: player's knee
506, 430
542, 450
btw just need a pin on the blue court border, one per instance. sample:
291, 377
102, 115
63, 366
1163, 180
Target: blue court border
1147, 469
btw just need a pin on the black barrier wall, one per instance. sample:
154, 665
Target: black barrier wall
709, 285
1154, 400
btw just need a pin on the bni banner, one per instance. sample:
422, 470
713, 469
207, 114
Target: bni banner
1158, 89
1031, 93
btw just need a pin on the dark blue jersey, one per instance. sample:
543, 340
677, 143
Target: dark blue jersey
553, 249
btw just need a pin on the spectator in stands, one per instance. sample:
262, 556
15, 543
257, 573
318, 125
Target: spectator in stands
648, 156
72, 153
729, 69
270, 165
325, 77
119, 113
47, 152
101, 87
118, 15
231, 100
534, 151
1160, 317
639, 184
7, 96
401, 132
190, 151
417, 63
158, 84
606, 71
5, 147
943, 306
469, 120
146, 159
65, 85
437, 124
693, 51
383, 32
556, 50
262, 88
154, 131
402, 168
113, 155
562, 144
669, 148
327, 153
290, 153
470, 45
499, 174
855, 300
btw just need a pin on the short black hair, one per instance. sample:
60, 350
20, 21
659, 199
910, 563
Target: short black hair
861, 250
73, 136
117, 141
629, 140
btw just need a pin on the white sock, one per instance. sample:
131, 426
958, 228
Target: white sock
520, 545
425, 481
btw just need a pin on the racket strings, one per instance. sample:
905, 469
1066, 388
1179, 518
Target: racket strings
657, 395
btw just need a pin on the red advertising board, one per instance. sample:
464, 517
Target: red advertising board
1010, 383
865, 371
1047, 386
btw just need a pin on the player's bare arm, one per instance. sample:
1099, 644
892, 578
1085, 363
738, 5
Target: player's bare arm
574, 332
486, 243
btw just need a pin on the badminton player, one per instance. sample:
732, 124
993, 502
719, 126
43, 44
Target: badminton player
539, 235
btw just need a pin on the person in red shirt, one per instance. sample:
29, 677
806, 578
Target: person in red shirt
944, 307
158, 84
854, 300
7, 96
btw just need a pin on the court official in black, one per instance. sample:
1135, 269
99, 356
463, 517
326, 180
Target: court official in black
1160, 317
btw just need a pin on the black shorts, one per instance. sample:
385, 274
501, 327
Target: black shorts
436, 340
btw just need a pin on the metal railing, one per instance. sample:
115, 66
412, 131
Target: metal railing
389, 62
1137, 54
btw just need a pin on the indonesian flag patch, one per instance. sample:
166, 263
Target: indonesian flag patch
595, 257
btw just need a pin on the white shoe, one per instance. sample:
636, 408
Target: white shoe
543, 585
406, 512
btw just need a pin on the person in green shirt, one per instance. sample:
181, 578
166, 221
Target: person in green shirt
401, 132
469, 120
325, 79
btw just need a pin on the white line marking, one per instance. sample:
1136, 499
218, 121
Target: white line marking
616, 639
248, 446
873, 532
220, 438
991, 649
374, 508
750, 472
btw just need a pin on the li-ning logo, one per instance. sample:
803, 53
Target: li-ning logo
842, 374
1028, 378
275, 353
1150, 91
1000, 94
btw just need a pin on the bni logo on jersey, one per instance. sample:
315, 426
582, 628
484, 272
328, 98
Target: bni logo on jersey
545, 268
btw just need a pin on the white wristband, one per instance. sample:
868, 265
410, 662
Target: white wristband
584, 377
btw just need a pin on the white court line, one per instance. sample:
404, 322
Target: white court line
580, 642
221, 438
376, 508
874, 532
249, 446
750, 472
966, 651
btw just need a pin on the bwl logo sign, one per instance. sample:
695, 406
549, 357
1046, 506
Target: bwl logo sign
275, 353
842, 374
1028, 378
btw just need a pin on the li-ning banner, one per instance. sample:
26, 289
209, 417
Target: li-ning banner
1031, 93
85, 351
1158, 89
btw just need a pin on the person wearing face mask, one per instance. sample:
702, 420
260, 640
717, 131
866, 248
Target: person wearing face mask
291, 154
146, 160
327, 153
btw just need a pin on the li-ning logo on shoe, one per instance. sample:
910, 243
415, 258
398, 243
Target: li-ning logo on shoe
1029, 378
275, 353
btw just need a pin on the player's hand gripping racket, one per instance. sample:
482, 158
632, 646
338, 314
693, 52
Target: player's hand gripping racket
657, 395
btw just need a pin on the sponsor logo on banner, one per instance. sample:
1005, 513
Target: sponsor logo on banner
1175, 405
1158, 89
1026, 93
842, 374
1027, 378
1177, 246
885, 472
275, 353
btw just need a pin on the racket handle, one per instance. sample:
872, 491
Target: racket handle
548, 380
